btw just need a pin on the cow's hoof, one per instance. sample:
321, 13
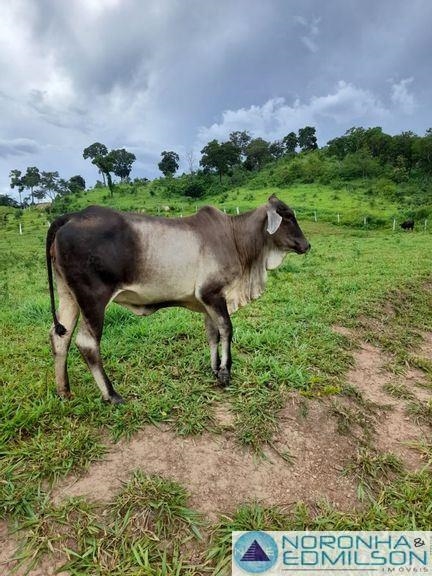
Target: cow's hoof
64, 395
116, 399
224, 377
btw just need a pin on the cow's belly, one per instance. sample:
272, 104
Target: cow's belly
155, 292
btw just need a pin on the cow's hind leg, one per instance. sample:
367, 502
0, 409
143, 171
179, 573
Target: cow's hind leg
88, 342
67, 315
216, 308
213, 338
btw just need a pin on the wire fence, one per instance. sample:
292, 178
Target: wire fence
11, 227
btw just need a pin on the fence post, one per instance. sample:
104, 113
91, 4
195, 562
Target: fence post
20, 229
338, 218
315, 216
365, 221
394, 224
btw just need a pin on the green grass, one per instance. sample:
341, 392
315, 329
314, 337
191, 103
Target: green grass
371, 470
141, 531
377, 282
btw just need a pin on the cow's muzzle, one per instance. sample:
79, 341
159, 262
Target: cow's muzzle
302, 247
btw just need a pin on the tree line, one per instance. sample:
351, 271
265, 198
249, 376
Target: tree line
40, 185
359, 153
243, 150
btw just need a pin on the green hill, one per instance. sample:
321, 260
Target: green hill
348, 205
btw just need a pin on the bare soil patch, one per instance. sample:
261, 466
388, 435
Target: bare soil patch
394, 427
220, 475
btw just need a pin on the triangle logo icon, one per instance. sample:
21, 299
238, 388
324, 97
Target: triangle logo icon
255, 554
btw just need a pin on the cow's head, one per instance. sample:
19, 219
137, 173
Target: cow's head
283, 227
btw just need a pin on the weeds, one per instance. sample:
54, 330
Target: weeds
372, 469
399, 391
144, 528
351, 419
424, 447
421, 411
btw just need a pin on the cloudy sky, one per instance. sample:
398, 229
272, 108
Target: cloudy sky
153, 75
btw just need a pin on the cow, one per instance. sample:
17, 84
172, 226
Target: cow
210, 263
408, 225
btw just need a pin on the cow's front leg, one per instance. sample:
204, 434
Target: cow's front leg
216, 308
213, 338
226, 331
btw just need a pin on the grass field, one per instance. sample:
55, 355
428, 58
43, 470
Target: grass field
375, 282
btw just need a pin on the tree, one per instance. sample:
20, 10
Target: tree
240, 139
219, 157
169, 163
106, 166
191, 161
76, 184
338, 147
48, 184
290, 142
402, 146
378, 143
277, 149
423, 151
257, 154
31, 179
122, 163
307, 139
63, 188
6, 200
96, 150
355, 138
16, 182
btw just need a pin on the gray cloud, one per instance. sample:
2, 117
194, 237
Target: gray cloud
167, 74
18, 147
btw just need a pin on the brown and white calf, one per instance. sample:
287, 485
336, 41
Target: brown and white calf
209, 262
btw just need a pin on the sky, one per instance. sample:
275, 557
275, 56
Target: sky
154, 75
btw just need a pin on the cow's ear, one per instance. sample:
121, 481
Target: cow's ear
273, 220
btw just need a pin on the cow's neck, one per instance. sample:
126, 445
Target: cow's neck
250, 236
256, 257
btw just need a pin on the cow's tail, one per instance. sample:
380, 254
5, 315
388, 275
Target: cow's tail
52, 231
